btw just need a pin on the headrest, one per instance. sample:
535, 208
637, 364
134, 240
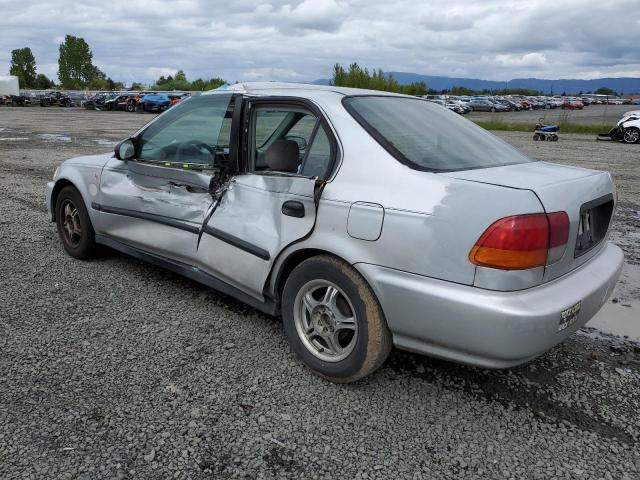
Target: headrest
283, 156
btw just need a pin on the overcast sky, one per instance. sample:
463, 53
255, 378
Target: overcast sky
297, 40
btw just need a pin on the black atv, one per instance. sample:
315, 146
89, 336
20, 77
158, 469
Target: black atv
56, 98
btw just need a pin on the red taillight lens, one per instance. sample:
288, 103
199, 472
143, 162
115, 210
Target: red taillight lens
522, 241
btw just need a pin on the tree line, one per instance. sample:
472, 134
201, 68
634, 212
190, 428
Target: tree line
76, 71
357, 77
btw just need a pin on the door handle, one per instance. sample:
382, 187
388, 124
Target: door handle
293, 208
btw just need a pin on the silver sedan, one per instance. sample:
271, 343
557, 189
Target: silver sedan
364, 219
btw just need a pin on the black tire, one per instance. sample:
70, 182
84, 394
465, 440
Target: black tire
82, 246
536, 137
373, 342
130, 107
631, 135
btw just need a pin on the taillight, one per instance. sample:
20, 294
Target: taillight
522, 241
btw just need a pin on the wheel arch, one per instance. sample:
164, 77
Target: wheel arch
57, 188
284, 267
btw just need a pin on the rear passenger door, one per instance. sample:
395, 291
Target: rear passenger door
289, 149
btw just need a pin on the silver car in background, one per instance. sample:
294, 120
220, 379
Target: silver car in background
365, 219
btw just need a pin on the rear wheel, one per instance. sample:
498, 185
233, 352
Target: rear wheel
74, 225
333, 321
130, 107
536, 137
631, 135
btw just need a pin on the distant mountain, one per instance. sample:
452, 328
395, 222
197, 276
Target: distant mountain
626, 85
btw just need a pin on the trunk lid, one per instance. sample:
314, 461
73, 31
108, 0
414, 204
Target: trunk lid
586, 195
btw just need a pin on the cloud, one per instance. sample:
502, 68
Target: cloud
300, 40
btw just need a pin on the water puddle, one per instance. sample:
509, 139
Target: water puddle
54, 137
14, 139
621, 314
622, 319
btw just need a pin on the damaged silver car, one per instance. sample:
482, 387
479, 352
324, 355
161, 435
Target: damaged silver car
364, 219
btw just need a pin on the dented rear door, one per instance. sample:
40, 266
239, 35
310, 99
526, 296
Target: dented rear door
257, 217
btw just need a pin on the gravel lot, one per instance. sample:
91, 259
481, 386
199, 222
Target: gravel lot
117, 369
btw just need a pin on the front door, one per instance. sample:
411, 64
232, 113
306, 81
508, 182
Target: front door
272, 202
159, 200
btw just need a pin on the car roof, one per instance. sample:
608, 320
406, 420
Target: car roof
286, 89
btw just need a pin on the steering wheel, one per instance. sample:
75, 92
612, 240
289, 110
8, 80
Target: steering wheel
186, 148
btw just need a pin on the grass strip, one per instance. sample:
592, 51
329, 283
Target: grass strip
565, 127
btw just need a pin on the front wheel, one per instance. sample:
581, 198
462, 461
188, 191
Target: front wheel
74, 225
631, 135
333, 320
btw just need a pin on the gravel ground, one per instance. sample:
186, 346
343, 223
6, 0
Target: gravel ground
117, 369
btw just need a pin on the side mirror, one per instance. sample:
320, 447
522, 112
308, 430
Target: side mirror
301, 141
125, 150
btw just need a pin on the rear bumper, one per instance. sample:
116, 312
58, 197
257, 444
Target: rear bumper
487, 328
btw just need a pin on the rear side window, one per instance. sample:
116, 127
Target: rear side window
425, 136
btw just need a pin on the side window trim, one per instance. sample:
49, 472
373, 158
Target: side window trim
312, 138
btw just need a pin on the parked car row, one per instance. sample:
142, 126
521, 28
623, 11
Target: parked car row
134, 101
15, 100
127, 101
464, 104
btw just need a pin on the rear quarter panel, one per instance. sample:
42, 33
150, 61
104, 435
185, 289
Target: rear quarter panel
431, 222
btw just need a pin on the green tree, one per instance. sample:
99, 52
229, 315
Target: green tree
177, 82
75, 67
606, 91
43, 82
202, 85
99, 84
358, 77
23, 66
137, 86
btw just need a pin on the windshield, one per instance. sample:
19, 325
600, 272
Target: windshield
427, 137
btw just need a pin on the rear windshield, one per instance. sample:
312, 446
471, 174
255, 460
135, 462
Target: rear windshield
427, 136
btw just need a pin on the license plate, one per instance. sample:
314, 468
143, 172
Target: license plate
569, 316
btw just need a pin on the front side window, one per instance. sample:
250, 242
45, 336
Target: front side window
194, 134
428, 137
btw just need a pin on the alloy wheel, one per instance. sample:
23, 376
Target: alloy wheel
632, 135
71, 226
325, 320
